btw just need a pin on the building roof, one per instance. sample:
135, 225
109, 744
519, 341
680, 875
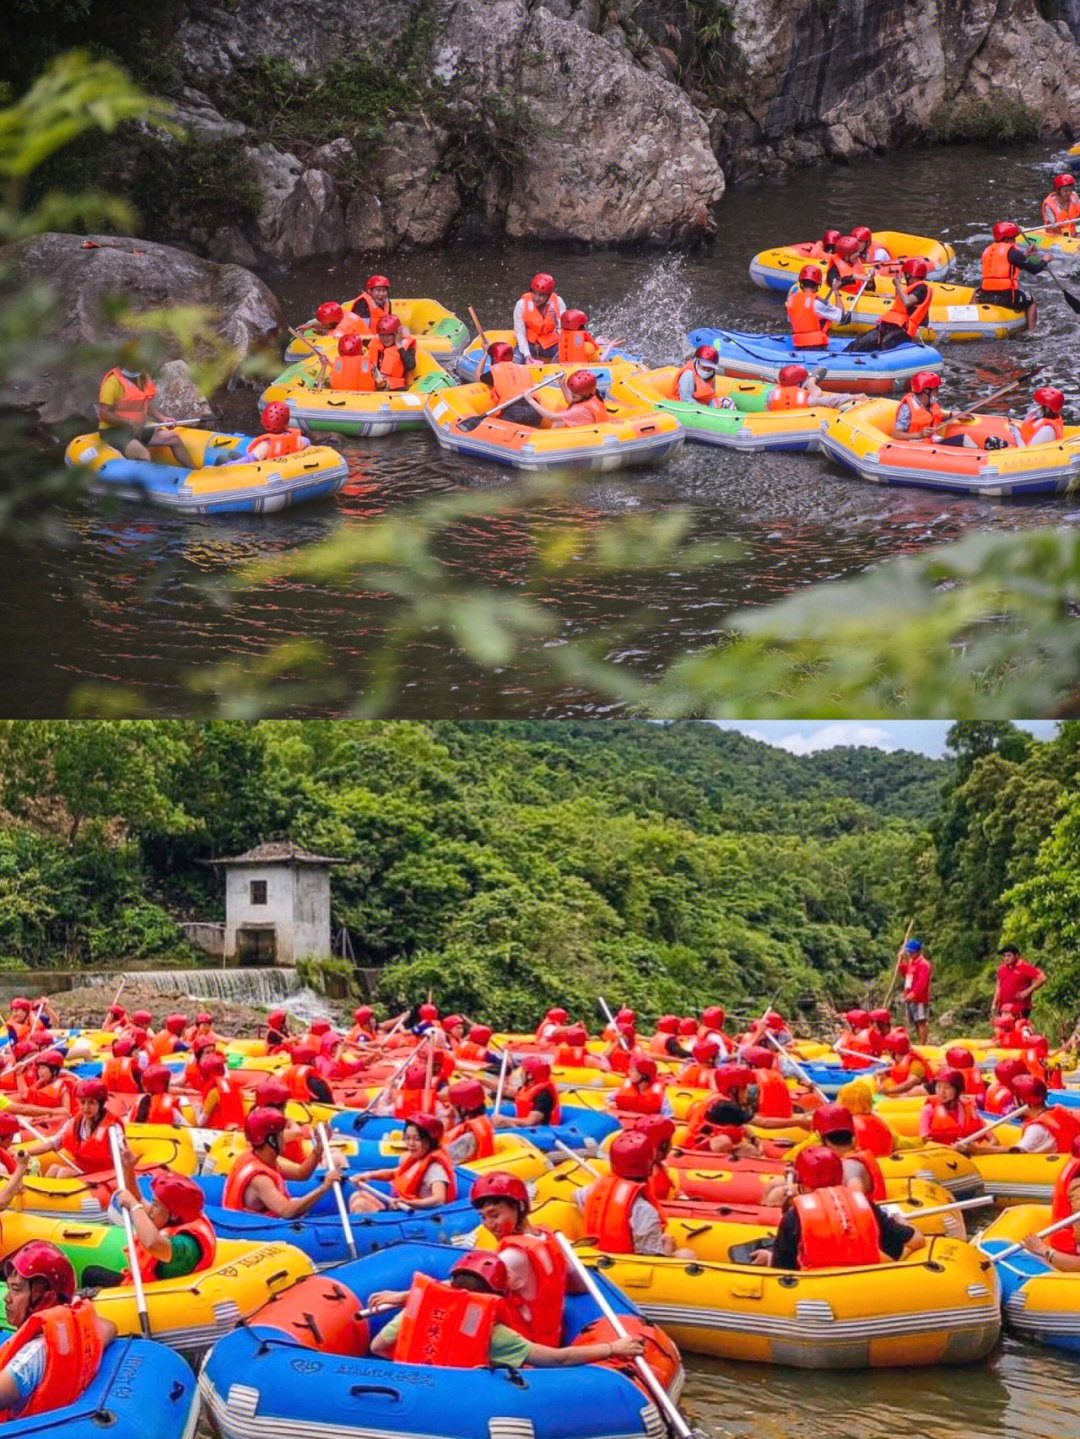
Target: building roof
281, 851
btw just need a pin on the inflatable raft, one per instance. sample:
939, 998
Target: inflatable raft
751, 425
634, 435
861, 439
581, 1129
224, 481
315, 407
141, 1391
954, 314
778, 268
1039, 1302
249, 1383
761, 357
474, 362
436, 330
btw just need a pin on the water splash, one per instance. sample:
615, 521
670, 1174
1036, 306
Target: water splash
652, 321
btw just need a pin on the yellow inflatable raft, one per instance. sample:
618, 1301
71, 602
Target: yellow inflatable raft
153, 1145
748, 425
437, 331
1039, 1302
778, 268
955, 314
606, 368
317, 407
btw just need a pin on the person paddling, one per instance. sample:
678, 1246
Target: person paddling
256, 1181
902, 321
808, 315
173, 1236
424, 1178
583, 405
1002, 261
392, 355
508, 382
125, 410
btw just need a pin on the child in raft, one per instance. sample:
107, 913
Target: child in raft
423, 1179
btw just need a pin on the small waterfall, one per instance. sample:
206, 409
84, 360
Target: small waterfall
259, 988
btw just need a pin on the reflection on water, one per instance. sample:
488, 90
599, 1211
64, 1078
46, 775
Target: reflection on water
137, 597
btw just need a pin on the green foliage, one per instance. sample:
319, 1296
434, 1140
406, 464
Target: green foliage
205, 183
1002, 119
327, 974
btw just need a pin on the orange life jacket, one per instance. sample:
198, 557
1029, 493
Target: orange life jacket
481, 1129
857, 1043
576, 1056
353, 322
808, 330
156, 1109
868, 1159
51, 1095
118, 1075
787, 397
471, 1052
539, 1318
697, 1076
200, 1229
387, 360
607, 1212
353, 372
901, 1070
704, 390
897, 314
1061, 1125
410, 1172
523, 1100
632, 1100
246, 1167
657, 1044
73, 1351
774, 1097
998, 275
375, 312
619, 1059
162, 1045
287, 443
447, 1328
409, 1101
541, 326
134, 399
359, 1035
92, 1153
873, 1134
1028, 428
295, 1077
1058, 215
576, 347
228, 1112
598, 414
837, 1226
950, 1122
1061, 1206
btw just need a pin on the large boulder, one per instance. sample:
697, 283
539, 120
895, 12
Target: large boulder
86, 274
301, 213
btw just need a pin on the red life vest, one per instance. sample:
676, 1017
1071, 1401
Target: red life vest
287, 443
296, 1077
597, 415
787, 397
162, 1045
541, 326
246, 1167
700, 1130
950, 1122
228, 1112
901, 1070
481, 1129
837, 1226
523, 1100
808, 330
998, 275
619, 1059
704, 390
1061, 1206
857, 1043
410, 1172
539, 1318
632, 1100
200, 1229
353, 372
573, 1055
156, 1109
898, 315
73, 1351
576, 347
92, 1154
774, 1097
52, 1095
471, 1052
134, 400
387, 360
118, 1075
607, 1212
1058, 215
868, 1159
661, 1186
447, 1328
352, 323
1029, 428
1062, 1126
697, 1076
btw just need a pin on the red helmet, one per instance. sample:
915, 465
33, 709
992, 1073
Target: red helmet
92, 1089
22, 1049
557, 1015
480, 1033
729, 1077
377, 282
155, 1079
954, 1078
429, 1125
40, 1260
915, 268
574, 320
857, 1018
656, 1127
204, 1017
1006, 1070
757, 1056
810, 275
500, 353
329, 314
304, 1054
577, 1034
833, 1119
830, 237
21, 1003
688, 1025
847, 246
180, 1195
644, 1064
388, 325
625, 1016
415, 1073
272, 1094
1006, 230
582, 384
362, 1014
262, 1124
705, 1051
667, 1024
201, 1042
139, 1037
486, 1266
330, 1042
1029, 1090
774, 1021
625, 1027
123, 1046
862, 233
351, 345
428, 1012
959, 1057
709, 354
897, 1042
536, 1066
792, 374
212, 1061
176, 1023
925, 380
712, 1016
52, 1057
542, 284
454, 1021
1050, 398
319, 1026
116, 1011
499, 1185
276, 1018
143, 1017
818, 1167
1062, 182
631, 1154
466, 1094
10, 1125
880, 1016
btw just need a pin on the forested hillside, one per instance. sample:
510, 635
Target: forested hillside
511, 865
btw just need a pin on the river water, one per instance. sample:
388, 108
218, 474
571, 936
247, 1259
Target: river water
134, 599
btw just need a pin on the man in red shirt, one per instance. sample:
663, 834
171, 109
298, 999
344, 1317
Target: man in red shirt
1017, 981
917, 972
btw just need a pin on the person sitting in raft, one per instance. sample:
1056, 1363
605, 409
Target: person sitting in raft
124, 405
278, 1034
917, 418
718, 1125
871, 1131
473, 1049
121, 1070
155, 1104
423, 1179
909, 1072
642, 1093
700, 1072
392, 356
845, 270
618, 1210
556, 1018
835, 1125
1046, 1129
824, 249
772, 1097
51, 1093
173, 1236
19, 1022
828, 1224
465, 1324
536, 1099
537, 320
373, 302
1062, 1249
695, 383
59, 1340
870, 252
1001, 263
328, 317
220, 1103
256, 1181
659, 1129
506, 379
902, 321
202, 1029
1043, 423
537, 1278
583, 405
576, 345
808, 315
169, 1038
959, 1058
84, 1139
471, 1134
1061, 208
797, 389
949, 1114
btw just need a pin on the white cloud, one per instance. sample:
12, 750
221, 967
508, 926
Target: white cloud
829, 736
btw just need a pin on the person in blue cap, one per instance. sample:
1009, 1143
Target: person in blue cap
917, 972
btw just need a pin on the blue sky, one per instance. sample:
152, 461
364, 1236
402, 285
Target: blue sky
806, 736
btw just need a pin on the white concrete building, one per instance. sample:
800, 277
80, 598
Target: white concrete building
277, 904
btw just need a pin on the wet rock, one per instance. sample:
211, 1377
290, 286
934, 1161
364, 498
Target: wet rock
178, 394
301, 213
418, 201
229, 246
365, 224
196, 114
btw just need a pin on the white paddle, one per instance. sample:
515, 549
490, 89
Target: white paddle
342, 1207
129, 1231
1042, 1234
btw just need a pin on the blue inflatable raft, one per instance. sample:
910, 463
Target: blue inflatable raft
580, 1129
873, 372
257, 1383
